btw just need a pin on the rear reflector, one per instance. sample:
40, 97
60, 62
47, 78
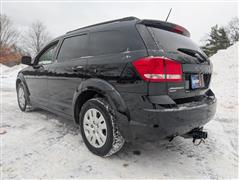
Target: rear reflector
158, 69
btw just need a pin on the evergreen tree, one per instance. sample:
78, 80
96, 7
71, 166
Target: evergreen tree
218, 39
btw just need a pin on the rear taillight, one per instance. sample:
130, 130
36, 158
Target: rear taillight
158, 69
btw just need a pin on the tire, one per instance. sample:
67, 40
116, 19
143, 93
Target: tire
99, 129
21, 97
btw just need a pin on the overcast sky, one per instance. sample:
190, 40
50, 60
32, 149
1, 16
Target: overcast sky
60, 17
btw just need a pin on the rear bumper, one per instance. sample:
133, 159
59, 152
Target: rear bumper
153, 124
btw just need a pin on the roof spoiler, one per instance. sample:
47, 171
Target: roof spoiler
166, 26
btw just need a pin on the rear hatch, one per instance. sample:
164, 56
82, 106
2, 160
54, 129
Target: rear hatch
179, 53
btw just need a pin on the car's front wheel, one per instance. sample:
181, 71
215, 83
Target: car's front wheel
99, 129
21, 97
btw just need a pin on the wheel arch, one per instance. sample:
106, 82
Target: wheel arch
95, 87
21, 79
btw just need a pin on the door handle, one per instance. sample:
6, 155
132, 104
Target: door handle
77, 68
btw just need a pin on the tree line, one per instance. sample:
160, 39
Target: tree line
14, 43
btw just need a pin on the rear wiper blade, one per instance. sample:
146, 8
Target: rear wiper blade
193, 53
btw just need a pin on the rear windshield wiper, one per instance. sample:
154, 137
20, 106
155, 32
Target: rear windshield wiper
193, 53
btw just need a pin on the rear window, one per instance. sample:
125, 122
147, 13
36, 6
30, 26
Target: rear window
170, 41
73, 48
107, 42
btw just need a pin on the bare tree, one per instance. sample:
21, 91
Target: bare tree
233, 30
8, 33
36, 37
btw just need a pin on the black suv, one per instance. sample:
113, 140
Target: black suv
122, 80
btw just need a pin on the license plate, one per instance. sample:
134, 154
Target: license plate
197, 81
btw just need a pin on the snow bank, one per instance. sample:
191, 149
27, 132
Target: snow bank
3, 68
8, 75
225, 86
225, 77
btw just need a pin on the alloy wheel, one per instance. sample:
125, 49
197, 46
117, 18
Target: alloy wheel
21, 97
95, 128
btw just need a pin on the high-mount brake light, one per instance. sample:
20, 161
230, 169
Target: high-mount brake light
158, 69
178, 29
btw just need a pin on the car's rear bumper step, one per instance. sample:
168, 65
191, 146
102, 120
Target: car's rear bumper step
182, 108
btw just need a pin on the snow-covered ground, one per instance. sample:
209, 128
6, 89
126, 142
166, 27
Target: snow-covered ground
39, 144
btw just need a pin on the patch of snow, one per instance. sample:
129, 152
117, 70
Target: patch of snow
39, 144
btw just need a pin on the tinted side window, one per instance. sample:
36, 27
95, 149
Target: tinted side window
107, 42
47, 56
73, 47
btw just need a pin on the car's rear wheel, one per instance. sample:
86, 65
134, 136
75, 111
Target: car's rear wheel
99, 129
21, 97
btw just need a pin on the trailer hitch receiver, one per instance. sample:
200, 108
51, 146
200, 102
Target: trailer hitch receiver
196, 134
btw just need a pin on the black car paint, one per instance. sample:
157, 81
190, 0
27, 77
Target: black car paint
60, 86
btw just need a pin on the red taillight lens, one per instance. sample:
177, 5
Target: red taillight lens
173, 71
158, 69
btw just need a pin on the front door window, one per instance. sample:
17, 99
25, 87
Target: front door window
47, 56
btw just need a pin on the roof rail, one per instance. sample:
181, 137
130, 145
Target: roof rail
107, 22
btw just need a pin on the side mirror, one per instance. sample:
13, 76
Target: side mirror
26, 60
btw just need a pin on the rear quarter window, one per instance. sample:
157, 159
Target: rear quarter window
73, 48
107, 42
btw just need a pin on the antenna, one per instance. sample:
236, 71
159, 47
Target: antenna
168, 14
